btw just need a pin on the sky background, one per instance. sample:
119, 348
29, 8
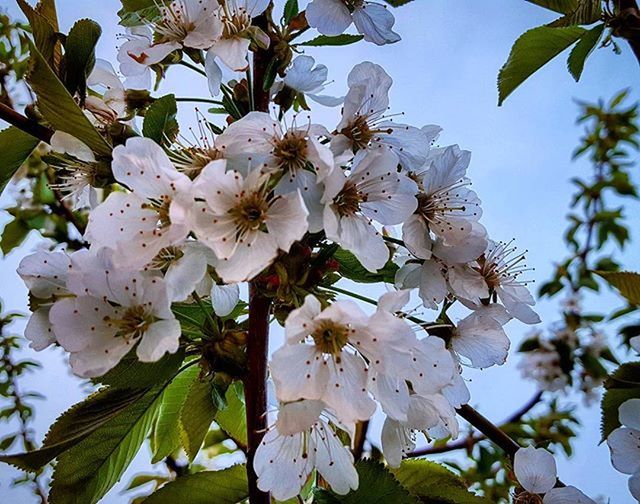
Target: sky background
445, 71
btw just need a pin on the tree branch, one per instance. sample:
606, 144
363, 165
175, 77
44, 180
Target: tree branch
25, 124
626, 24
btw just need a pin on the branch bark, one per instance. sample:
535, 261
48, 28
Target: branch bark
255, 384
626, 24
25, 124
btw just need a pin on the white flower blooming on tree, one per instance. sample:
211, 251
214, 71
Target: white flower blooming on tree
372, 20
535, 469
301, 440
243, 222
137, 225
309, 79
365, 125
374, 190
624, 444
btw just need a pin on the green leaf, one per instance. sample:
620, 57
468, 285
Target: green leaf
351, 268
377, 486
80, 56
196, 415
291, 10
398, 3
233, 418
433, 482
59, 108
86, 472
76, 424
13, 235
166, 431
43, 30
131, 373
622, 385
532, 51
627, 282
585, 13
338, 40
583, 49
561, 6
228, 486
15, 147
135, 12
160, 122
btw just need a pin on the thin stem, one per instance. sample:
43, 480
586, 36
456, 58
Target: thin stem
360, 437
204, 310
199, 100
193, 67
391, 239
25, 124
491, 431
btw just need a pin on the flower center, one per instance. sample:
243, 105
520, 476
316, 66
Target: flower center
359, 132
133, 324
330, 338
162, 208
291, 152
250, 213
527, 498
165, 258
235, 22
175, 24
347, 202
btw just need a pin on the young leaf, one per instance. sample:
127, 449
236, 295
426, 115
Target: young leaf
86, 472
561, 6
196, 414
76, 424
291, 10
80, 54
627, 282
228, 486
351, 268
13, 234
233, 418
337, 40
44, 31
131, 373
583, 50
433, 482
15, 147
166, 432
377, 486
585, 13
59, 108
160, 122
622, 385
531, 51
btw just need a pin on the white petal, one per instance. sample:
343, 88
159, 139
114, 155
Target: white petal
214, 73
624, 444
566, 495
287, 220
45, 273
299, 323
183, 275
634, 486
334, 461
629, 414
396, 441
535, 469
415, 235
481, 339
233, 52
68, 144
38, 330
375, 22
433, 287
298, 416
224, 298
329, 17
161, 337
299, 372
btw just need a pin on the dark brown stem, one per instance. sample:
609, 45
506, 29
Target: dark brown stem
626, 24
255, 385
491, 431
469, 442
359, 439
24, 123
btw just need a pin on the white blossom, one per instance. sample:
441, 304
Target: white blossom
243, 222
137, 225
373, 191
624, 444
365, 125
333, 17
305, 77
302, 440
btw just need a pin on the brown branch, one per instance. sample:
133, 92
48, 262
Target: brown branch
359, 439
626, 24
470, 441
25, 124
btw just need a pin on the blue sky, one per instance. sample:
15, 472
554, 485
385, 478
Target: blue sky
445, 71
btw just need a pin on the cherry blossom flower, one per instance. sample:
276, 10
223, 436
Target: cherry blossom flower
77, 172
104, 76
432, 415
535, 469
333, 17
231, 46
624, 444
45, 274
243, 222
364, 124
295, 154
373, 191
309, 79
113, 311
183, 23
302, 440
139, 224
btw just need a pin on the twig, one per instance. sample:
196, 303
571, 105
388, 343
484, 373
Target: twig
25, 124
193, 67
359, 439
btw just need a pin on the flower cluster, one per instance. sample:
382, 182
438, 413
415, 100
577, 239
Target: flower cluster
624, 444
185, 220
